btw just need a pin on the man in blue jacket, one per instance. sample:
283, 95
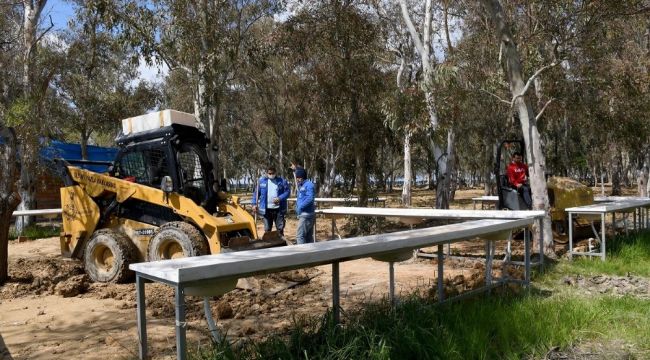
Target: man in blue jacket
270, 200
305, 208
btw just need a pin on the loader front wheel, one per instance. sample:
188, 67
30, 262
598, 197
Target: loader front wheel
176, 239
108, 255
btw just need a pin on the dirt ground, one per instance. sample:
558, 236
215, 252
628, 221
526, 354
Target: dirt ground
49, 309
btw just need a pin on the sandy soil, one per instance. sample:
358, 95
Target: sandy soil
50, 310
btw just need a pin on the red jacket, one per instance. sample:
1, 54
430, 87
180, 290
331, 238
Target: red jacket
517, 173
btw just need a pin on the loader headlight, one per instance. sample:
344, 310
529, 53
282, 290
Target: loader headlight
166, 185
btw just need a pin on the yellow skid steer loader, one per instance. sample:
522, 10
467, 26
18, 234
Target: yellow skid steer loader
158, 201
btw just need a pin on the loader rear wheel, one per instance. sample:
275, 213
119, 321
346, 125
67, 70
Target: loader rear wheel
176, 239
108, 255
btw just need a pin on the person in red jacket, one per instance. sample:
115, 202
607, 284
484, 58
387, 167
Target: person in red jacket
518, 177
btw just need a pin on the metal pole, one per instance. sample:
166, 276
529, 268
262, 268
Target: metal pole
570, 235
541, 243
527, 255
336, 303
181, 325
333, 228
488, 263
441, 290
315, 217
391, 282
142, 316
602, 246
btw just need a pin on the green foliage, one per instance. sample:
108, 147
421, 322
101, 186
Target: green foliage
502, 326
36, 232
18, 113
511, 327
625, 255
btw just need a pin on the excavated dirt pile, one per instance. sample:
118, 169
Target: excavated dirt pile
46, 276
629, 285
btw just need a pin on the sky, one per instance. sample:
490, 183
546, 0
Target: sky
61, 11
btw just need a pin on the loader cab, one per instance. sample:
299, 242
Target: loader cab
177, 151
508, 195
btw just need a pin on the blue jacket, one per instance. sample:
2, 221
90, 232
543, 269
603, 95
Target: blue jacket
305, 201
283, 193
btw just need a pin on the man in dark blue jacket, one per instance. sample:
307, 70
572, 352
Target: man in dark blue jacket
305, 207
270, 200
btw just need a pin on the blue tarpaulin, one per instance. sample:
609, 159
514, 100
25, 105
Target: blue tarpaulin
71, 152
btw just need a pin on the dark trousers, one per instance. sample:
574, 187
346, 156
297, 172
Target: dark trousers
274, 216
524, 191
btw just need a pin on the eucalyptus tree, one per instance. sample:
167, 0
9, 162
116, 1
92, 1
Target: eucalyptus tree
9, 197
527, 117
333, 47
422, 37
97, 81
9, 85
25, 112
401, 108
205, 39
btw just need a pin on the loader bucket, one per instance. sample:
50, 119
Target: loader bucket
269, 239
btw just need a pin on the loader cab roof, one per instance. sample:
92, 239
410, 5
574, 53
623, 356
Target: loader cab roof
174, 131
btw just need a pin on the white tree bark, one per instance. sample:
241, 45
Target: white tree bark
423, 48
330, 167
535, 155
408, 177
32, 10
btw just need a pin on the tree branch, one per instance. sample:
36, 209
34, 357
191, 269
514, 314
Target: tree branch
539, 115
411, 28
38, 39
531, 80
497, 96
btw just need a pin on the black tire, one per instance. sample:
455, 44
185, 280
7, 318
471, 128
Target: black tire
176, 239
108, 255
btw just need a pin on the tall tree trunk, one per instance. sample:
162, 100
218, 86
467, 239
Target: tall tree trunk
330, 168
31, 15
84, 144
451, 161
281, 153
423, 47
642, 180
617, 173
535, 155
9, 198
490, 151
442, 178
406, 188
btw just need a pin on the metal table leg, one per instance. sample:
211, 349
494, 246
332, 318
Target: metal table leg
488, 263
570, 235
527, 238
181, 325
602, 246
441, 290
391, 282
142, 316
336, 301
541, 243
